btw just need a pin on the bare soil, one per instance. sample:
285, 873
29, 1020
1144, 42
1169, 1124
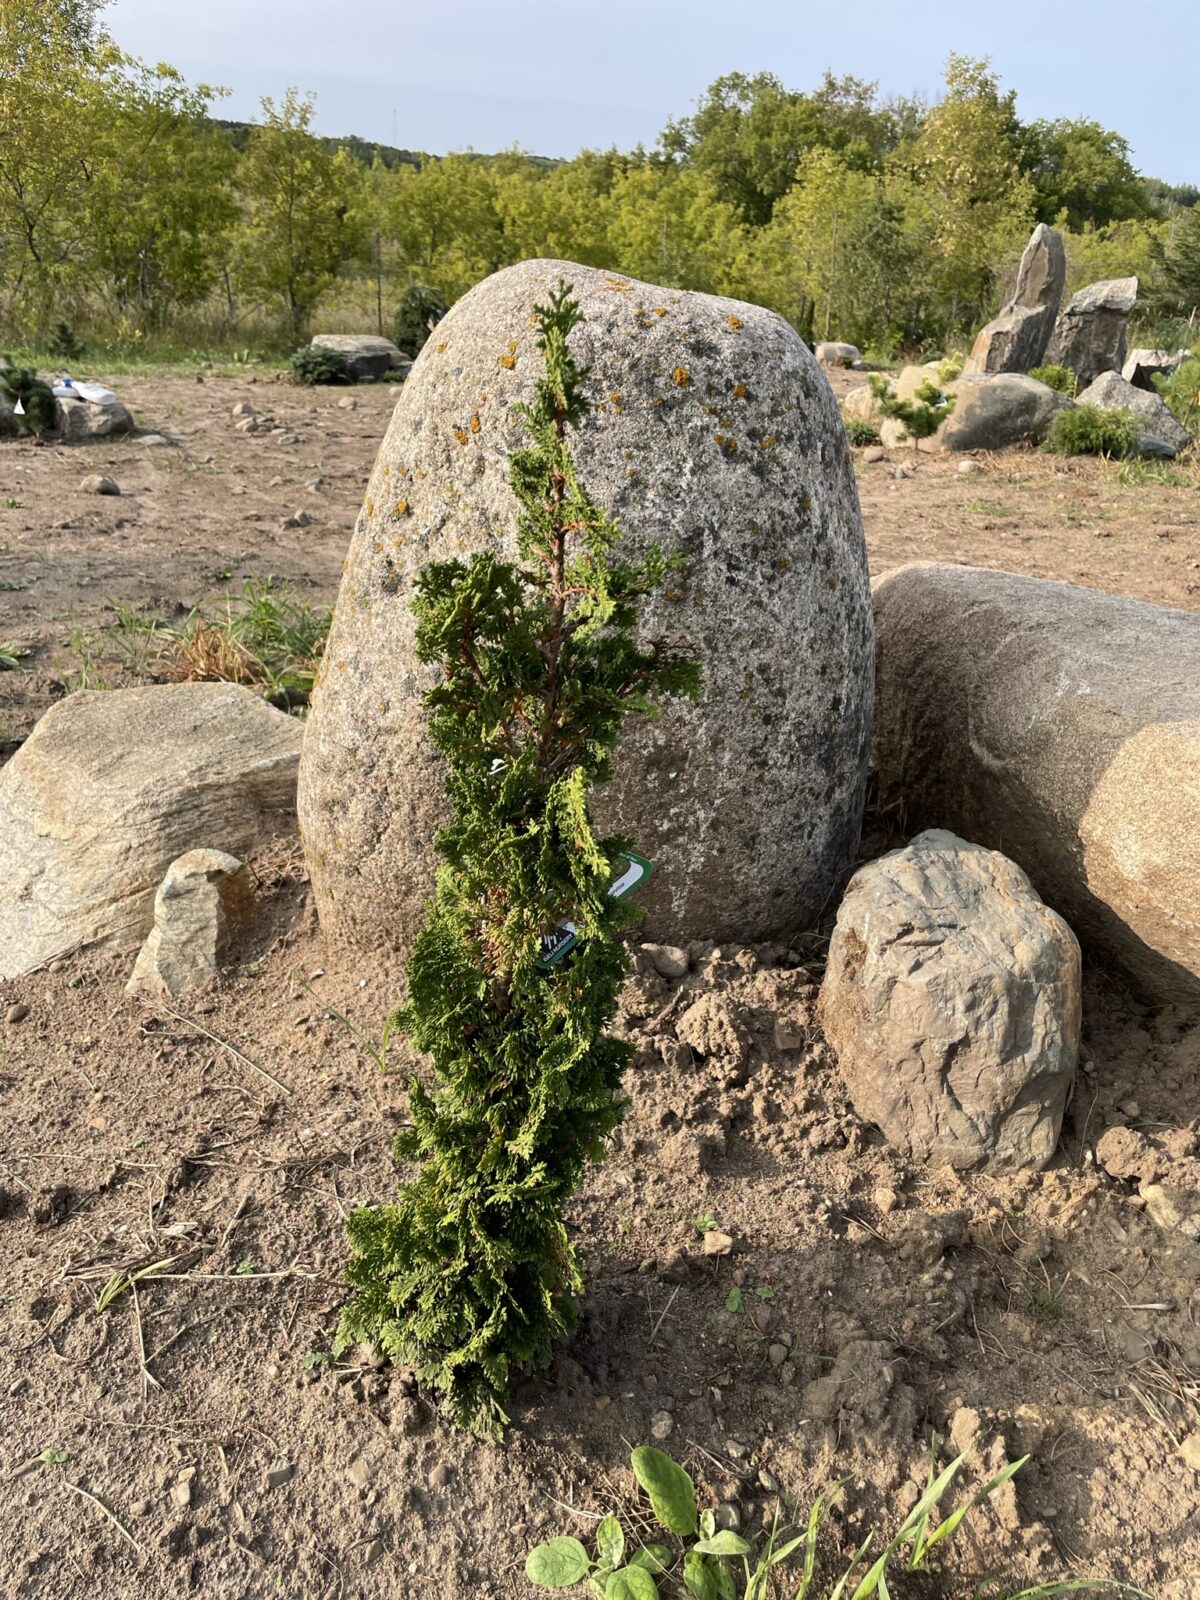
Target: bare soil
200, 1439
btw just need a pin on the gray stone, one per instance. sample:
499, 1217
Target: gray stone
111, 787
993, 412
668, 960
80, 421
1151, 448
715, 432
1016, 340
1142, 366
1089, 336
243, 409
833, 353
1062, 726
952, 999
280, 1473
1111, 392
367, 355
204, 899
96, 483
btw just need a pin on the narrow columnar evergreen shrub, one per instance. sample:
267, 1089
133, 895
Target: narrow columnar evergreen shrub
1056, 377
420, 309
1091, 431
470, 1275
22, 387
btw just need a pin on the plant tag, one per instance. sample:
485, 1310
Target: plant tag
631, 876
18, 409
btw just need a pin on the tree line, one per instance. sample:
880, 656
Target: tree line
128, 209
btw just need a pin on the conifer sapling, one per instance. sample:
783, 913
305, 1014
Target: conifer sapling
470, 1275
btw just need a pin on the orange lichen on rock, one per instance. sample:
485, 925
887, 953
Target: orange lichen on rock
734, 322
681, 377
475, 423
461, 435
508, 362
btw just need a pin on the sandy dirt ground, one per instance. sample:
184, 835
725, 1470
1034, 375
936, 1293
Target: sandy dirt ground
196, 1436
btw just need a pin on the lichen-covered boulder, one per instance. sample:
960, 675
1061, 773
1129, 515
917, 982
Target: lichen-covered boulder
714, 431
1063, 727
111, 787
952, 999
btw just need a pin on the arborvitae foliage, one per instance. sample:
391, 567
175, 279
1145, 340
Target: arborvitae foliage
39, 407
470, 1275
921, 416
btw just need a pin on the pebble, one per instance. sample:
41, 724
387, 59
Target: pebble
97, 483
777, 1354
248, 425
298, 519
279, 1474
873, 453
728, 1515
1190, 1451
348, 403
359, 1473
902, 472
155, 441
17, 1013
244, 409
373, 1552
662, 1425
968, 468
181, 1493
736, 1450
716, 1243
768, 1481
668, 960
56, 967
315, 483
886, 1199
440, 1476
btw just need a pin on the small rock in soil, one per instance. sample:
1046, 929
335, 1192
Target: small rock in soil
873, 453
777, 1354
968, 469
440, 1476
662, 1425
736, 1450
282, 1472
97, 483
728, 1515
716, 1243
243, 409
373, 1552
667, 959
348, 403
17, 1013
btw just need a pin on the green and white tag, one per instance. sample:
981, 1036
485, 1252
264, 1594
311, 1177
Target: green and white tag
631, 876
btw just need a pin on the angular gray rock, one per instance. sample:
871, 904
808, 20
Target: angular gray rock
836, 353
366, 355
111, 787
952, 999
713, 431
1063, 727
80, 421
1142, 366
204, 899
1111, 392
1089, 336
1016, 339
993, 412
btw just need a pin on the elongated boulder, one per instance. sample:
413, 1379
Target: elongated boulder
1063, 727
1090, 333
1017, 338
714, 431
367, 355
112, 786
952, 999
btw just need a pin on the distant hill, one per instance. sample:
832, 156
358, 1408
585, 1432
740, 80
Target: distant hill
368, 151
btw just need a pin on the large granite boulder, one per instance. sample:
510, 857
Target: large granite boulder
111, 787
1063, 727
367, 355
1016, 339
1111, 392
1089, 336
714, 431
952, 999
1002, 409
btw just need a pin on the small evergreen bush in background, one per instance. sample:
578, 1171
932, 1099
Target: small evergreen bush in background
313, 363
1056, 377
419, 310
470, 1275
922, 416
64, 344
1090, 431
20, 386
860, 432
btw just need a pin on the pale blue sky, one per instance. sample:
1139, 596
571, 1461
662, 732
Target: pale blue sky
556, 75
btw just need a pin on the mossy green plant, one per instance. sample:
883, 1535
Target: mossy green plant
1091, 431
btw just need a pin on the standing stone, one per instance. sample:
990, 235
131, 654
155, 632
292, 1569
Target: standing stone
1111, 392
952, 999
367, 355
1016, 340
1089, 336
713, 431
203, 900
1063, 727
110, 787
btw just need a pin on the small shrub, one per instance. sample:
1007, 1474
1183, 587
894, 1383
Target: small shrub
1090, 431
1181, 391
860, 432
951, 366
1056, 377
922, 416
315, 364
471, 1276
22, 387
64, 344
420, 309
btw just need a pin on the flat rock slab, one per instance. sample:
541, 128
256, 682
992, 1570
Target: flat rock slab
1062, 726
952, 999
714, 431
111, 787
367, 355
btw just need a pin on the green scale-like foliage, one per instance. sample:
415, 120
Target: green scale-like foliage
19, 385
470, 1275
